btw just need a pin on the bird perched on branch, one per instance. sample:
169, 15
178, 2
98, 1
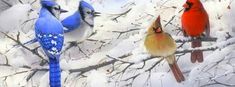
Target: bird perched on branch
85, 12
195, 21
160, 43
84, 16
49, 33
79, 26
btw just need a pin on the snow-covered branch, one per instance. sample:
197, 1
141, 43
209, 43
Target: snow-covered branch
218, 45
115, 51
7, 3
34, 51
120, 15
185, 39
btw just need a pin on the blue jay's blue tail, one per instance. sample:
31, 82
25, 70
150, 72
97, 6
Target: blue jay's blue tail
54, 72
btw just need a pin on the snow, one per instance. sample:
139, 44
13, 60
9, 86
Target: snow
164, 80
13, 17
123, 40
97, 79
44, 81
205, 69
126, 46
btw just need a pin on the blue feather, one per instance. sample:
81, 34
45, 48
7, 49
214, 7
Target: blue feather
49, 33
54, 73
72, 22
49, 3
85, 4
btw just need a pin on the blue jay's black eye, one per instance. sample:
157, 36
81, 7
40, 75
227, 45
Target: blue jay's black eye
88, 12
57, 8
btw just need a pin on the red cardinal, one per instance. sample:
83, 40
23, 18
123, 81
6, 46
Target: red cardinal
194, 22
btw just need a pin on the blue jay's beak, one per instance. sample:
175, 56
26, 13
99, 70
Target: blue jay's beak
63, 11
96, 14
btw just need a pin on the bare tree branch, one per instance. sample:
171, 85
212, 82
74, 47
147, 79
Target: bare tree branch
34, 51
122, 32
7, 3
85, 69
33, 2
124, 13
21, 1
218, 83
204, 39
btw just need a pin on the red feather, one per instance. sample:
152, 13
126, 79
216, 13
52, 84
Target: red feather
195, 21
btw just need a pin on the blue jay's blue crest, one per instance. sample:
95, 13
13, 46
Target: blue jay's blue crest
48, 3
84, 4
87, 13
52, 7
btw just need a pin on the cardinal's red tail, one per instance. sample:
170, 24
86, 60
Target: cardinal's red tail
177, 73
196, 55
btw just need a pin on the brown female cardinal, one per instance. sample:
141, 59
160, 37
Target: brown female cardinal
194, 22
160, 43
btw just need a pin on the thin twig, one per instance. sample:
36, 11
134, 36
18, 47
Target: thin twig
31, 50
8, 4
124, 13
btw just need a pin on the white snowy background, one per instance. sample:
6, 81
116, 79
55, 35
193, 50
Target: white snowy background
115, 55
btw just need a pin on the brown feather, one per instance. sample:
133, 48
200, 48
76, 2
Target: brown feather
196, 55
160, 43
177, 72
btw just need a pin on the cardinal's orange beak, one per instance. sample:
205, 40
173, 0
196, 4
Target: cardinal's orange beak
159, 29
186, 5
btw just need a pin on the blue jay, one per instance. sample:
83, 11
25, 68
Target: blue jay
49, 33
85, 12
84, 29
83, 16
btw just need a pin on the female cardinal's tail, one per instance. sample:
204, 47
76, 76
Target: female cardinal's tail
175, 68
177, 73
196, 55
